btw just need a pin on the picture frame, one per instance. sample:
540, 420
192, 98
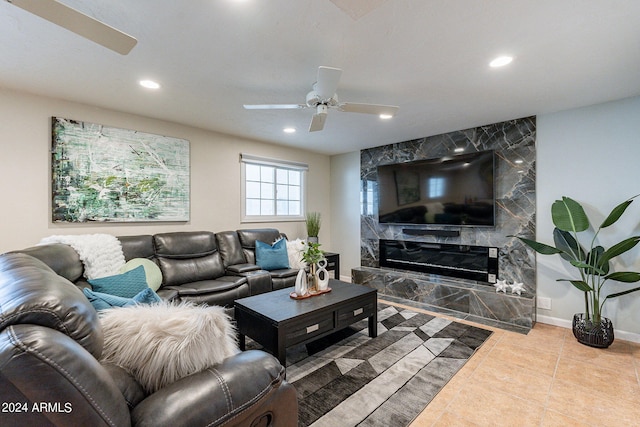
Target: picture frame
407, 187
107, 174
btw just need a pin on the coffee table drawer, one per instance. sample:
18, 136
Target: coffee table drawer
310, 328
355, 311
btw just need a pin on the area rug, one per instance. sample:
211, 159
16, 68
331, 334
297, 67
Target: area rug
349, 379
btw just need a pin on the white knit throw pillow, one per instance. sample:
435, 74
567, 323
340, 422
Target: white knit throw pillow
161, 343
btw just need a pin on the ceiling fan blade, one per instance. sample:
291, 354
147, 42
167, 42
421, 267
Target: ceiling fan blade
317, 122
327, 82
318, 119
351, 107
79, 23
273, 106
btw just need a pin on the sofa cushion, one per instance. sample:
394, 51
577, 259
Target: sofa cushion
230, 248
284, 273
272, 257
209, 286
176, 272
186, 257
151, 270
161, 343
102, 301
62, 259
248, 237
185, 244
126, 285
140, 246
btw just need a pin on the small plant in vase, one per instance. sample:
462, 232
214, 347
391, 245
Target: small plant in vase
312, 222
312, 254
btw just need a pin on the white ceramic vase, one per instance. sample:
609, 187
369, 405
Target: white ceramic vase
301, 283
322, 275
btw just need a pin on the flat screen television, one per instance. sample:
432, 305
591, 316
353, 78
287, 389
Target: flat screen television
454, 190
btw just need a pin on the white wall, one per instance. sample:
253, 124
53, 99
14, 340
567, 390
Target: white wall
590, 154
25, 188
345, 210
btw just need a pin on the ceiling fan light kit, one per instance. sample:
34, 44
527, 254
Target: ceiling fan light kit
323, 96
79, 23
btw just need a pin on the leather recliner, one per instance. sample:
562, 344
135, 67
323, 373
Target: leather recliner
282, 278
50, 345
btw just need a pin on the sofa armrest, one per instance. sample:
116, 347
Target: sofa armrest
236, 392
41, 366
239, 269
167, 294
259, 280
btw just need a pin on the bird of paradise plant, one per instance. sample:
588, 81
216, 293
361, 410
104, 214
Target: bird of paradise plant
594, 265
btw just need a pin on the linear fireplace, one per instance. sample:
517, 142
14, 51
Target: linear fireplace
463, 261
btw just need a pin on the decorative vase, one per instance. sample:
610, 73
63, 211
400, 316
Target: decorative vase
312, 283
594, 335
322, 276
312, 239
301, 283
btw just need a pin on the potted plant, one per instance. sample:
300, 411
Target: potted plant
313, 222
312, 254
593, 266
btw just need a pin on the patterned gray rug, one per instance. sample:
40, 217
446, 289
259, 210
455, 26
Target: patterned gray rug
349, 379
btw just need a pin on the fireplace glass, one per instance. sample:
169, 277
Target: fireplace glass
463, 261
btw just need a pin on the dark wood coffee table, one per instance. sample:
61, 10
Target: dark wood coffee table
276, 321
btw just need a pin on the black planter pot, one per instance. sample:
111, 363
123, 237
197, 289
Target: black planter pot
594, 335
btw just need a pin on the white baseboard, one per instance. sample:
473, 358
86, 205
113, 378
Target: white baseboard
345, 278
564, 323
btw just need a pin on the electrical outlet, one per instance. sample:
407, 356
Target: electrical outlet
544, 303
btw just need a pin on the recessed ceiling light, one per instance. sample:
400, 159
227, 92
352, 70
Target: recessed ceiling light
501, 61
519, 161
385, 116
289, 130
149, 84
459, 150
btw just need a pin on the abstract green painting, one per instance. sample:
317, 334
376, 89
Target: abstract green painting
101, 173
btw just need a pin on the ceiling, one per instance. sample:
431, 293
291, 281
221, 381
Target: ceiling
429, 57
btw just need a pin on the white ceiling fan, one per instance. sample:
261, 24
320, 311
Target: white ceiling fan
323, 96
79, 23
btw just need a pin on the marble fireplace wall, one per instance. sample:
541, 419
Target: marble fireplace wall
514, 145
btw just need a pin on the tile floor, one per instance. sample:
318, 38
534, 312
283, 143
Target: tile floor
545, 378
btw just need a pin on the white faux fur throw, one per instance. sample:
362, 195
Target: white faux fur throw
101, 254
161, 343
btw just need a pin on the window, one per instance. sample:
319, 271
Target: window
436, 187
272, 190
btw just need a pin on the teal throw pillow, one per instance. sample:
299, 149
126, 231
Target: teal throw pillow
272, 257
151, 270
125, 285
102, 301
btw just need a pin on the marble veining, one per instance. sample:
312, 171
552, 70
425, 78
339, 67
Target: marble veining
466, 297
515, 194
